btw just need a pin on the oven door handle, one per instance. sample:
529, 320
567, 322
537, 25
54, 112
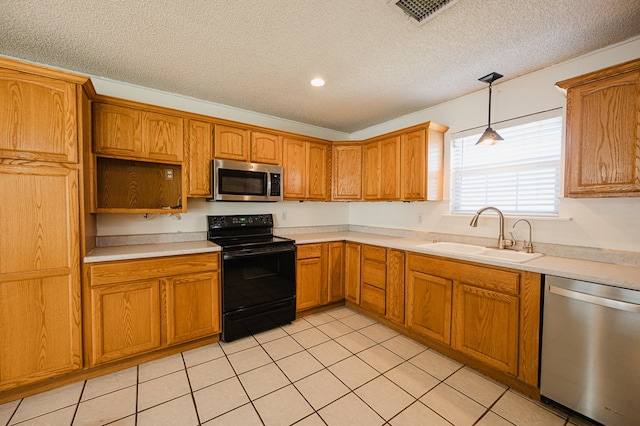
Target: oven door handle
252, 252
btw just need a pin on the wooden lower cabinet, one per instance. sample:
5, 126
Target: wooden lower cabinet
486, 326
395, 286
429, 305
320, 274
352, 271
374, 279
39, 329
488, 314
336, 271
138, 306
191, 303
126, 320
311, 275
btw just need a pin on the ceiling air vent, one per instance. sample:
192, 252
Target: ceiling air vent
422, 10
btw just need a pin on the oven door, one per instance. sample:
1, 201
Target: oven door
254, 279
258, 292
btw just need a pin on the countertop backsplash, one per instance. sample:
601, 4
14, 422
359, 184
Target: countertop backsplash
572, 252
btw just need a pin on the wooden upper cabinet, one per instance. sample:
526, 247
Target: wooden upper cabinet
423, 163
231, 143
117, 130
136, 134
266, 148
603, 132
162, 136
38, 118
347, 172
317, 177
306, 168
371, 171
390, 169
199, 149
294, 164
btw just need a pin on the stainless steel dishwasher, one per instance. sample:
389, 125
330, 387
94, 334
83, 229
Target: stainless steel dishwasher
591, 350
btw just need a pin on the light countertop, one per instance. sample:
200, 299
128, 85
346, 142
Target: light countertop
599, 272
144, 251
605, 273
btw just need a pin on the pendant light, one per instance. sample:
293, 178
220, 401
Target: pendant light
490, 136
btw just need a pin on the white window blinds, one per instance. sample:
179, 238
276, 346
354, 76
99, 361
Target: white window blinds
520, 175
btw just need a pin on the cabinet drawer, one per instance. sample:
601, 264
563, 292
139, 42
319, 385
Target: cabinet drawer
477, 275
308, 251
378, 254
160, 267
374, 274
372, 298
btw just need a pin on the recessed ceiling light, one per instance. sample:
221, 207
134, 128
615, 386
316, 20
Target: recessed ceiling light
317, 82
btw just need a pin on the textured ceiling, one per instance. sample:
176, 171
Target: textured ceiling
259, 55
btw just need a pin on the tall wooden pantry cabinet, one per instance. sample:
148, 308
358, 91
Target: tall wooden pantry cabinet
42, 125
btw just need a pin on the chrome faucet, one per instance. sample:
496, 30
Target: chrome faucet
502, 241
527, 245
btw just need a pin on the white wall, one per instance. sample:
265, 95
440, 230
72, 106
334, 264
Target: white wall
603, 223
286, 214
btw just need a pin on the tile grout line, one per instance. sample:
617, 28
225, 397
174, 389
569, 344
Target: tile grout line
75, 412
193, 398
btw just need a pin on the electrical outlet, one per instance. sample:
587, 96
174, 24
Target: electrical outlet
168, 174
284, 215
420, 218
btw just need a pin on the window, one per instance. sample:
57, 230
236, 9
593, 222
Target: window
520, 175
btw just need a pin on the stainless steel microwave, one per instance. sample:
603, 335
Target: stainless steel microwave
239, 181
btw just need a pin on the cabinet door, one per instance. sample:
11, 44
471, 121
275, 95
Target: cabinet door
199, 156
39, 329
162, 136
395, 286
429, 302
603, 137
317, 176
38, 118
336, 271
294, 164
485, 326
125, 320
266, 148
192, 307
311, 275
39, 273
352, 272
371, 171
347, 172
231, 143
413, 166
390, 169
117, 131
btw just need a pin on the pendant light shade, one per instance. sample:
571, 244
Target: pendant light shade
490, 136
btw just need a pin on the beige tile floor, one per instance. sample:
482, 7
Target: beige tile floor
335, 368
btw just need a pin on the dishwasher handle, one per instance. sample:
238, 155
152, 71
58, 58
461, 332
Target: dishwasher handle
596, 300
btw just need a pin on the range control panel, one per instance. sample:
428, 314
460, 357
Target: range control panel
235, 221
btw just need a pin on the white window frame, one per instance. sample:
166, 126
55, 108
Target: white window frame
512, 173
